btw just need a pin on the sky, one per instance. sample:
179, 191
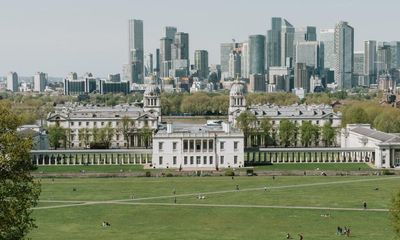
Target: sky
60, 36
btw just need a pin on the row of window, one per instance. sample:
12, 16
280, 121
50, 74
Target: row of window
198, 160
117, 123
198, 145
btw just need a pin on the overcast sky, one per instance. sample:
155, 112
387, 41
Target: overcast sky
60, 36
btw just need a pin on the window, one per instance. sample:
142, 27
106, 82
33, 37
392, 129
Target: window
191, 160
174, 144
174, 160
235, 159
210, 145
235, 145
210, 159
204, 145
222, 145
191, 145
160, 160
221, 159
317, 122
117, 137
72, 123
185, 160
198, 145
87, 123
79, 123
102, 123
185, 145
205, 160
160, 146
198, 160
94, 123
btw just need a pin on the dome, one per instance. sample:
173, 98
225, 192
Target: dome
152, 90
237, 89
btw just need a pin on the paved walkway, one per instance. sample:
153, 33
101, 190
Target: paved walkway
75, 203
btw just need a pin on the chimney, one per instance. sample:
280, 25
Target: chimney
169, 127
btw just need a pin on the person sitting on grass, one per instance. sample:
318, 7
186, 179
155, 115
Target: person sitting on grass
288, 236
301, 237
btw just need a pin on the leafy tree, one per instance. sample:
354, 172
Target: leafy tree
18, 190
316, 134
146, 135
265, 128
56, 136
307, 132
286, 132
328, 134
125, 129
84, 136
246, 122
354, 114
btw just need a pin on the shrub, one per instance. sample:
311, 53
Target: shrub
249, 172
148, 174
387, 172
169, 175
229, 173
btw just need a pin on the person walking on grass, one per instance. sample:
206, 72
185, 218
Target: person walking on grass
301, 237
365, 205
237, 187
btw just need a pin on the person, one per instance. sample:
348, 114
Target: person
265, 189
273, 177
344, 231
174, 191
288, 236
74, 189
175, 200
305, 174
348, 232
237, 187
301, 237
103, 224
339, 231
233, 178
365, 205
133, 196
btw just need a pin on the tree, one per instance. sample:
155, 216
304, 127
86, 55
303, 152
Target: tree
306, 131
246, 122
146, 134
84, 136
18, 190
125, 129
265, 127
316, 134
56, 136
395, 213
328, 134
286, 132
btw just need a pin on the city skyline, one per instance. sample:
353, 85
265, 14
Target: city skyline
62, 37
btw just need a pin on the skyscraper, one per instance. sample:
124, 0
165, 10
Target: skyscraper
257, 54
169, 32
302, 75
309, 53
304, 34
136, 50
245, 60
344, 55
12, 81
180, 52
148, 67
165, 56
226, 49
369, 62
287, 41
358, 72
274, 43
201, 63
327, 37
383, 57
234, 64
39, 82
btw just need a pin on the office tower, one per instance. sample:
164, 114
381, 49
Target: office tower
169, 32
358, 71
72, 76
305, 34
327, 37
383, 55
136, 50
274, 43
39, 82
12, 81
201, 63
148, 64
245, 60
180, 53
226, 49
310, 54
157, 68
257, 83
114, 77
234, 64
257, 54
302, 75
165, 56
344, 55
369, 62
287, 40
395, 54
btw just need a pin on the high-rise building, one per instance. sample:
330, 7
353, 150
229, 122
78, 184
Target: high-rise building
257, 54
136, 50
257, 83
234, 64
180, 50
39, 82
169, 32
358, 71
305, 34
148, 67
287, 40
274, 43
369, 62
327, 37
302, 75
12, 81
344, 55
383, 55
165, 56
245, 60
201, 63
226, 49
310, 54
395, 54
157, 68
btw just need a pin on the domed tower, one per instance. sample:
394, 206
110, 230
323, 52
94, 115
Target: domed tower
151, 100
237, 101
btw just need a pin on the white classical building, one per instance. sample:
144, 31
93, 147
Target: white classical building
385, 146
316, 114
190, 147
80, 120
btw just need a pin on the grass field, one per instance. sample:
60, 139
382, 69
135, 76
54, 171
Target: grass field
313, 206
89, 168
315, 166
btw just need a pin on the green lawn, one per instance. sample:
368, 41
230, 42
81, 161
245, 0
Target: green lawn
315, 166
211, 220
89, 168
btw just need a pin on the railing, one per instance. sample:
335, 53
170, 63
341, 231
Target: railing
91, 156
262, 156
